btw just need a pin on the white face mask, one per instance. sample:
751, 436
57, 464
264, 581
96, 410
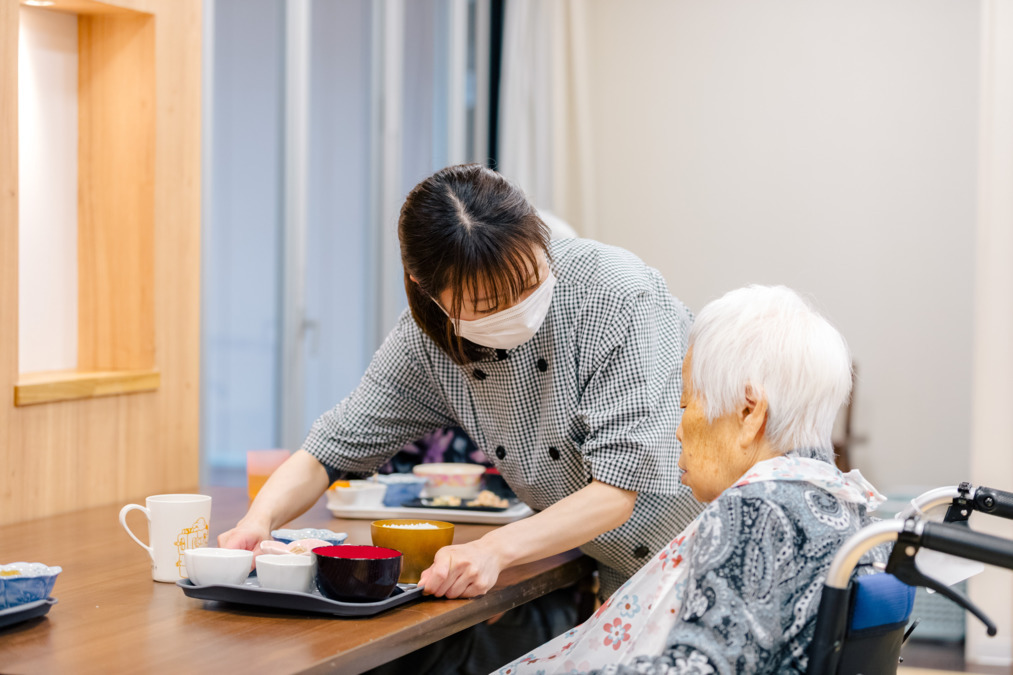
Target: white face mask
512, 326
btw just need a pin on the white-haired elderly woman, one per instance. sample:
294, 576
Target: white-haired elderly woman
737, 590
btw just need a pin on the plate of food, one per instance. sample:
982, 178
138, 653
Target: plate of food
486, 500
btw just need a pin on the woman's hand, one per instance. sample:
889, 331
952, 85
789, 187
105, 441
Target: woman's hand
471, 569
462, 571
244, 536
293, 487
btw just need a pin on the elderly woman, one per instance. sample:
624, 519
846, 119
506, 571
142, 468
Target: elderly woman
737, 590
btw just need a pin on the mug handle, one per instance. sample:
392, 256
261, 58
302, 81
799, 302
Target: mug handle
123, 521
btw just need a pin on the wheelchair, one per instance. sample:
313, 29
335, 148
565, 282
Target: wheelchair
862, 621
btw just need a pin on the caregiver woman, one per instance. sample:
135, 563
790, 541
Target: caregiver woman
561, 360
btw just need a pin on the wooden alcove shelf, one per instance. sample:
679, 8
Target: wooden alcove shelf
124, 421
116, 209
68, 385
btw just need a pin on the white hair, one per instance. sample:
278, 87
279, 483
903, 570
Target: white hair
771, 339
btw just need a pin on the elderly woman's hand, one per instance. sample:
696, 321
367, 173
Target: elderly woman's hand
462, 571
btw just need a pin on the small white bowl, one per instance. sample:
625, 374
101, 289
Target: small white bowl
358, 493
215, 566
286, 572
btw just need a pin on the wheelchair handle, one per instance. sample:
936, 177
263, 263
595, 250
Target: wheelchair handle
984, 499
965, 543
929, 500
870, 536
994, 502
947, 538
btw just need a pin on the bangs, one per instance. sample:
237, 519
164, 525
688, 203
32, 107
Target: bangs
468, 235
494, 276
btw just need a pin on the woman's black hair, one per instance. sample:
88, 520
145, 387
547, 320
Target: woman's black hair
462, 227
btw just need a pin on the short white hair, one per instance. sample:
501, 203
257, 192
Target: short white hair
773, 340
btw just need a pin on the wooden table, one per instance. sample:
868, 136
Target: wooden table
112, 618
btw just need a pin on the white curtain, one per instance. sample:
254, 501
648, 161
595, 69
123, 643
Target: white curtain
545, 121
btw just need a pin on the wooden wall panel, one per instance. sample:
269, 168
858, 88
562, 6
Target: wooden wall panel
56, 457
9, 471
116, 191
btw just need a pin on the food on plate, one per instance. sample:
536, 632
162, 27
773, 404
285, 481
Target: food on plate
489, 498
485, 498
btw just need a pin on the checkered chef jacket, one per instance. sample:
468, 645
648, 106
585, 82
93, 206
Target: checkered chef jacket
594, 394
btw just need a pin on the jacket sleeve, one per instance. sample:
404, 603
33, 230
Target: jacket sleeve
395, 403
631, 380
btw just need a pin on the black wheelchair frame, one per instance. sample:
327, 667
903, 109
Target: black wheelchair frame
836, 650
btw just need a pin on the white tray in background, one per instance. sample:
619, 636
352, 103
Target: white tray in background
515, 512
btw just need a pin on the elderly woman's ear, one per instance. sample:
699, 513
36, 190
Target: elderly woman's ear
753, 420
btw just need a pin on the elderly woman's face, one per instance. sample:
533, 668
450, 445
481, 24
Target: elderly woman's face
712, 457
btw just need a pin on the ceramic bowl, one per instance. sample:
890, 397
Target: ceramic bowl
401, 487
357, 573
286, 572
288, 536
22, 582
418, 540
215, 566
359, 493
298, 547
457, 480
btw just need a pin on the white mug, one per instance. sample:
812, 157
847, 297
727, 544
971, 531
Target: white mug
175, 523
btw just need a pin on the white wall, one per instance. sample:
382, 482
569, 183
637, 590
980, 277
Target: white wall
991, 426
830, 147
47, 168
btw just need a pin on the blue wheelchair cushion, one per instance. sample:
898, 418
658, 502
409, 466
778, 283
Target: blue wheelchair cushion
880, 599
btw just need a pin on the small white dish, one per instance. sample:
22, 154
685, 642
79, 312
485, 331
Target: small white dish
214, 566
358, 493
286, 572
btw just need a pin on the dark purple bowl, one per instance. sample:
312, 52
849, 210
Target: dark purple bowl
357, 573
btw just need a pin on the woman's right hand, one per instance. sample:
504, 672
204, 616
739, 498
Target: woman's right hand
243, 537
292, 488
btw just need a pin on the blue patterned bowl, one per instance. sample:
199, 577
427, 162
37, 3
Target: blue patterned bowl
22, 582
401, 487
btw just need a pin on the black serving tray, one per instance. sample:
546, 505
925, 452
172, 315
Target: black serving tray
29, 610
251, 593
427, 502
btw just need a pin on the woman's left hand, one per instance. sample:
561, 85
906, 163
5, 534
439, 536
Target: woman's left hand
462, 571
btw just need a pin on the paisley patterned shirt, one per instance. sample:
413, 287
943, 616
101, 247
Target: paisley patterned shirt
756, 573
